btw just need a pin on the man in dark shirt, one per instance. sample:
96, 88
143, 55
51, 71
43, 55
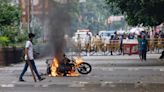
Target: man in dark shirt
143, 47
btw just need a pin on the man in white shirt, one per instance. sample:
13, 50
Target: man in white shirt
29, 58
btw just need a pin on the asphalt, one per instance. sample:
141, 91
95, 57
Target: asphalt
117, 70
91, 88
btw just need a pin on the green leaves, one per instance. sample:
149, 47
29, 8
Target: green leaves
4, 41
9, 14
9, 22
146, 12
93, 15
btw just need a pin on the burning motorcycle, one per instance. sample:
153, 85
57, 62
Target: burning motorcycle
68, 67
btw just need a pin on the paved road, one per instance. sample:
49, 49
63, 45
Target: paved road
91, 88
110, 74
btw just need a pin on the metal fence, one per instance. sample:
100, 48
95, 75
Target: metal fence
154, 46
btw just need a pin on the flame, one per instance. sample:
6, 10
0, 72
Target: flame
78, 60
54, 66
73, 74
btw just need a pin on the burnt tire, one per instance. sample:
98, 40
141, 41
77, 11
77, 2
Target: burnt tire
84, 68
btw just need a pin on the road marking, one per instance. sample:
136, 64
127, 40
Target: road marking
133, 69
45, 85
37, 86
78, 84
14, 82
110, 69
104, 69
161, 70
7, 85
106, 83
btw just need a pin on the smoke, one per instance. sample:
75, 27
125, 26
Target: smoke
57, 24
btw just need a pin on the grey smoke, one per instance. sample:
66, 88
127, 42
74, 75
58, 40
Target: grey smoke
58, 22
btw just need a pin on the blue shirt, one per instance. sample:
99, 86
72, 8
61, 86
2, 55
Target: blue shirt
143, 44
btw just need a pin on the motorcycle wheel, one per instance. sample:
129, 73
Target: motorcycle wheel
84, 68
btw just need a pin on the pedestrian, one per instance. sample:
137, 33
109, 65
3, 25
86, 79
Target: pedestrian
87, 43
162, 55
29, 58
121, 44
98, 43
111, 43
79, 43
139, 47
144, 45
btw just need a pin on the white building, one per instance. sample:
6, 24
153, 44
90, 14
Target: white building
115, 18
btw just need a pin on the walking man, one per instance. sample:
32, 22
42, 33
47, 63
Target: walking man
29, 58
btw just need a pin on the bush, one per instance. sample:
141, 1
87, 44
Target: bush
4, 41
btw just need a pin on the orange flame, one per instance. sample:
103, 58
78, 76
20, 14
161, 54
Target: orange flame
54, 66
78, 60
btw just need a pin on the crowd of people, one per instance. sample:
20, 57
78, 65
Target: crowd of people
114, 43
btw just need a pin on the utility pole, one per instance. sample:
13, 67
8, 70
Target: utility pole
32, 16
29, 16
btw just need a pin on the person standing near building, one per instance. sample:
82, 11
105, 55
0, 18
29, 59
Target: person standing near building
29, 58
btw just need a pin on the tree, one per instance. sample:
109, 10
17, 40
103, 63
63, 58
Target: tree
91, 14
94, 14
9, 21
145, 12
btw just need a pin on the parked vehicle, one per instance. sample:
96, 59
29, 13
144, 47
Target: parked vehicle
106, 35
82, 34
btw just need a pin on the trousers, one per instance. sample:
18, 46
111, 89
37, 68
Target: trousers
33, 68
143, 54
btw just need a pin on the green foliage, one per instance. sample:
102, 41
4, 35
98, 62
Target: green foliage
10, 14
94, 14
4, 41
145, 12
9, 21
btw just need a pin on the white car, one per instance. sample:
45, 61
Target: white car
82, 37
106, 35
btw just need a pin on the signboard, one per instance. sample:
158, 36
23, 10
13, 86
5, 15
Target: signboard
130, 47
